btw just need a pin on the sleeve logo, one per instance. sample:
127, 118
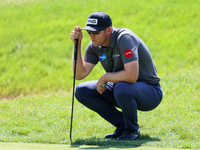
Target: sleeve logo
128, 53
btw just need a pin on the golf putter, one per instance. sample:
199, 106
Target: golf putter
75, 60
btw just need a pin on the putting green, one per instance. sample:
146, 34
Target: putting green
38, 146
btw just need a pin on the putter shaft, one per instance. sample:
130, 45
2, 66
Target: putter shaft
75, 60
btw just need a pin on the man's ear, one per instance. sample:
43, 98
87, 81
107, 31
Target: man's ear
109, 29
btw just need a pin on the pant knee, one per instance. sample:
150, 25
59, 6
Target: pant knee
79, 93
85, 90
121, 92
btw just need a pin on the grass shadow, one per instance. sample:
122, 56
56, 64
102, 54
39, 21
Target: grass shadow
97, 143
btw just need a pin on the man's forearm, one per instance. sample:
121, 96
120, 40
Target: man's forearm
116, 77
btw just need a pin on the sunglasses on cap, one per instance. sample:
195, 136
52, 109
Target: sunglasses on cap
94, 32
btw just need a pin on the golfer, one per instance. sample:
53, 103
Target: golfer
130, 82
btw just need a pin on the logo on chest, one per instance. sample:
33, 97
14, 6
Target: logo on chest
116, 55
102, 57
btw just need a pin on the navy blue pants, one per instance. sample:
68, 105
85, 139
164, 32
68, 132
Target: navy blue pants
129, 97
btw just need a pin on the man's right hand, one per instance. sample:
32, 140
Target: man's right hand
76, 34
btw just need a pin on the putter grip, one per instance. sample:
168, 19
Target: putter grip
75, 49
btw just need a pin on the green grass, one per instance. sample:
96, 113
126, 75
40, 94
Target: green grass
27, 146
45, 118
36, 74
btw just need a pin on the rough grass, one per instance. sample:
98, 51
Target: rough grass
35, 48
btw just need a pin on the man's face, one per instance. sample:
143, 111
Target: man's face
101, 39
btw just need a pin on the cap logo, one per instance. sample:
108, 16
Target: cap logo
92, 21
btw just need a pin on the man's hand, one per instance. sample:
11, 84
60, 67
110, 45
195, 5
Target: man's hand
101, 86
76, 34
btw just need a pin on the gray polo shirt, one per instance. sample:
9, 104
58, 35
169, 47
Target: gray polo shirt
124, 47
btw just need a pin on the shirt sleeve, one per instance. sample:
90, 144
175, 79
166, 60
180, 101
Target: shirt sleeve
90, 55
128, 48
